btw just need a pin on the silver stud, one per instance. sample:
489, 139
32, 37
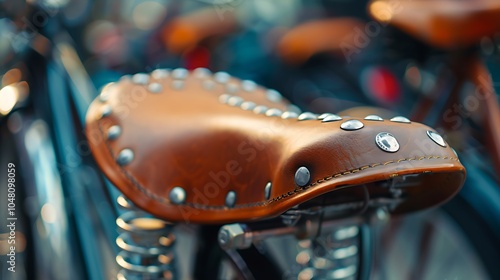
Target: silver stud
387, 142
177, 195
106, 111
113, 132
331, 118
160, 73
373, 118
208, 84
248, 85
273, 112
302, 176
125, 157
295, 109
400, 119
232, 88
235, 101
222, 77
180, 73
289, 115
260, 109
267, 190
436, 138
324, 115
155, 87
307, 116
248, 105
224, 98
231, 199
125, 77
177, 84
104, 96
273, 95
201, 72
352, 125
140, 78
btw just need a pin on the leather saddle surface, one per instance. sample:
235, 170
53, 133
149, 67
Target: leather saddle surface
206, 147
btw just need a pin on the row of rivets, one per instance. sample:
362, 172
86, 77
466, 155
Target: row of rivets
177, 196
385, 141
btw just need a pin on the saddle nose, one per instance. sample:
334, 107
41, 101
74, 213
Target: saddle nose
206, 147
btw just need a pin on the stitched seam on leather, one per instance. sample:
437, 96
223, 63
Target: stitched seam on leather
260, 203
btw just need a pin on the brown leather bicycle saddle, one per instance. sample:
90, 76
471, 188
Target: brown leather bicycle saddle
446, 24
209, 148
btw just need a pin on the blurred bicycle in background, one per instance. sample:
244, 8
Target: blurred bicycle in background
437, 61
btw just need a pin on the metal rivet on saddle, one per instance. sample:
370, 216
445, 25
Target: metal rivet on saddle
273, 95
289, 115
260, 109
177, 195
248, 85
248, 105
307, 116
222, 77
352, 125
331, 118
436, 138
400, 119
155, 87
104, 96
125, 157
201, 72
223, 98
106, 111
140, 79
231, 199
273, 112
180, 73
267, 190
160, 74
373, 118
387, 142
302, 176
114, 132
235, 101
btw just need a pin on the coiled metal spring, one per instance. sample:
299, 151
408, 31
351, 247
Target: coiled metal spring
331, 256
146, 245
